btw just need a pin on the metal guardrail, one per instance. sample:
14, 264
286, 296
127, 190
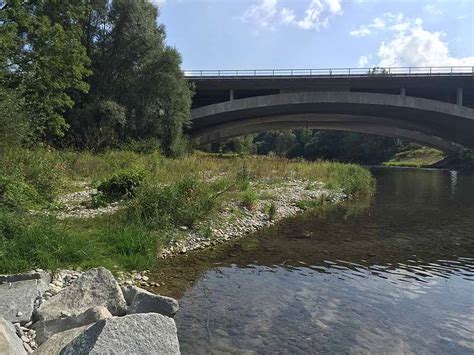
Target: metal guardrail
334, 72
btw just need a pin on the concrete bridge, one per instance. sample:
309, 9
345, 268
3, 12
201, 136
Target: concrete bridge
432, 106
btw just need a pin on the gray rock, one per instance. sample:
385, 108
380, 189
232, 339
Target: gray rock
142, 301
18, 294
96, 287
149, 333
57, 342
47, 328
10, 344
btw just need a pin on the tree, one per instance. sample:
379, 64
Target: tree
134, 69
43, 59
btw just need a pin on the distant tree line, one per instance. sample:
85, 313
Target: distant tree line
90, 74
314, 144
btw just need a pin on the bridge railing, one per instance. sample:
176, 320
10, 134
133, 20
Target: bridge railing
330, 72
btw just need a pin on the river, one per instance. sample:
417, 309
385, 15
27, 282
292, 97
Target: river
394, 274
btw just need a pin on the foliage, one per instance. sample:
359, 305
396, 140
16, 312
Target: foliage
30, 177
378, 71
415, 155
271, 211
174, 193
39, 241
14, 127
121, 184
180, 204
313, 145
43, 59
249, 198
138, 91
309, 204
351, 179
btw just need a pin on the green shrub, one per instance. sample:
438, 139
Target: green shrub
122, 184
352, 179
180, 204
271, 210
145, 146
248, 198
17, 195
309, 204
42, 169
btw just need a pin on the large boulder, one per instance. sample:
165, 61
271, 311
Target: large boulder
149, 333
10, 344
57, 342
96, 287
46, 328
142, 301
18, 294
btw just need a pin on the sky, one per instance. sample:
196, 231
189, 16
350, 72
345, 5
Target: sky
261, 34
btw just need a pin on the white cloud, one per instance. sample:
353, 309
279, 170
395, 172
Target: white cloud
361, 32
363, 61
417, 46
318, 13
408, 44
288, 16
268, 14
263, 13
395, 22
432, 10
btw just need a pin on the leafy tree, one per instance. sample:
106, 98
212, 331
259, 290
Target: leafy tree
43, 58
134, 69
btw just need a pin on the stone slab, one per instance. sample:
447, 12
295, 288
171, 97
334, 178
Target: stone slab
17, 298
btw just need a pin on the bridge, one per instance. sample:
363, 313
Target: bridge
433, 106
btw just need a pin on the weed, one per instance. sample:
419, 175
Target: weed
249, 198
122, 184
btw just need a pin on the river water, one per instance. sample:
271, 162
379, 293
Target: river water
391, 275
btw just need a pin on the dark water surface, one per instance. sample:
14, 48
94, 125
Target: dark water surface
391, 275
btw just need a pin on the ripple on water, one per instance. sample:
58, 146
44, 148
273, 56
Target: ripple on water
396, 277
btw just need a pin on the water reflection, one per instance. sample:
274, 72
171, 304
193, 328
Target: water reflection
391, 276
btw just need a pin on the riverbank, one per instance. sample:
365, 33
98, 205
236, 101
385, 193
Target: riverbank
416, 157
122, 209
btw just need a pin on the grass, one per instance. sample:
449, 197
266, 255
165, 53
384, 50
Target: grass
416, 157
167, 195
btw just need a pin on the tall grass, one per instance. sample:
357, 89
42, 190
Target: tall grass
172, 193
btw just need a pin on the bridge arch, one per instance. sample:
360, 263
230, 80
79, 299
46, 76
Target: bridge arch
434, 123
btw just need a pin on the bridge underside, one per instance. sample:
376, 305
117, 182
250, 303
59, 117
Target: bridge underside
433, 123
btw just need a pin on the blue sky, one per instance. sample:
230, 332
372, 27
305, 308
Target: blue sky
242, 34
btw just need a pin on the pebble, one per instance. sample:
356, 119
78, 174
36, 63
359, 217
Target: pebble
27, 325
145, 278
19, 314
18, 329
28, 348
25, 339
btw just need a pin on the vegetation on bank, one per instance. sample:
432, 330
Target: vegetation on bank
415, 156
159, 195
90, 75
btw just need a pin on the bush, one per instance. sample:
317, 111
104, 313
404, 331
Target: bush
17, 195
14, 127
145, 146
271, 211
309, 204
180, 204
123, 184
352, 179
249, 198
